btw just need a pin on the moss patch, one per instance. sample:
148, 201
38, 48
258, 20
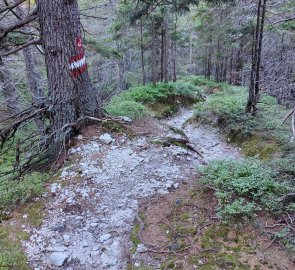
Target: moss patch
263, 148
34, 212
162, 110
11, 254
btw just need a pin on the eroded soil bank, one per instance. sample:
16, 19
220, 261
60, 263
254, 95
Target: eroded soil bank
114, 187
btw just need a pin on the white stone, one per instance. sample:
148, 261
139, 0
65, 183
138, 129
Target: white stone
141, 248
58, 258
54, 187
67, 238
106, 138
105, 237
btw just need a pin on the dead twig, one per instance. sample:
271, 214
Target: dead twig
272, 242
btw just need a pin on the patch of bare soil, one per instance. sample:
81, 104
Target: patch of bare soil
182, 231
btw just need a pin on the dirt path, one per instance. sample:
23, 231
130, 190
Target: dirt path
92, 204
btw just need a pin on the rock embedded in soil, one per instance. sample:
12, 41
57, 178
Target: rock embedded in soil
58, 258
106, 138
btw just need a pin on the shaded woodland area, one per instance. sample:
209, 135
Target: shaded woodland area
128, 43
70, 65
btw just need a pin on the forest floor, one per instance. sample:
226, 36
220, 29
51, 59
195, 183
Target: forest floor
130, 199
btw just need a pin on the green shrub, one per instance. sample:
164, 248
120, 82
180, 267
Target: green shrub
206, 84
130, 103
242, 187
227, 110
239, 209
129, 108
14, 192
162, 92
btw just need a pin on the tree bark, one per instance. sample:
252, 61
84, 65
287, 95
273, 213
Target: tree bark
154, 55
254, 88
142, 54
71, 95
165, 60
162, 53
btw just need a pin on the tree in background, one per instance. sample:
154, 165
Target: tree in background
254, 88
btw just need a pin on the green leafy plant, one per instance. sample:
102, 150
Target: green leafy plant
15, 192
129, 108
131, 102
243, 187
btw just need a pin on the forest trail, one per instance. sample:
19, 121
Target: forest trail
92, 204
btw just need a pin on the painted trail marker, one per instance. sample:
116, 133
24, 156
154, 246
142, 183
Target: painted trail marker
78, 62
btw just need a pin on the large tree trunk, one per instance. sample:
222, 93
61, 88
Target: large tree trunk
71, 95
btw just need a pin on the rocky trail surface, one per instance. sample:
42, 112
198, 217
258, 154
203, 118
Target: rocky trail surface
92, 204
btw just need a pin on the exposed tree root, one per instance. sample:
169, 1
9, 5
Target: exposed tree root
45, 149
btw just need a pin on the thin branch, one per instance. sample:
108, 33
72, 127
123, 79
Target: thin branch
288, 115
4, 31
285, 20
12, 6
32, 42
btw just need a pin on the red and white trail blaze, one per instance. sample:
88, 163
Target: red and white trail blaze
77, 63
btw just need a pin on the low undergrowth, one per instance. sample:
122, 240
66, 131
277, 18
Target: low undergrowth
160, 100
226, 109
261, 181
245, 187
16, 192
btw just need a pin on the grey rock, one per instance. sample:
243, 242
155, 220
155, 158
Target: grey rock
85, 244
176, 185
58, 258
67, 238
108, 260
126, 119
106, 138
54, 187
141, 248
59, 228
105, 237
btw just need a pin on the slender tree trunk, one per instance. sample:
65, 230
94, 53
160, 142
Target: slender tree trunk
209, 60
8, 90
254, 88
154, 55
34, 81
259, 53
71, 95
166, 45
174, 49
33, 76
191, 56
162, 53
142, 54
